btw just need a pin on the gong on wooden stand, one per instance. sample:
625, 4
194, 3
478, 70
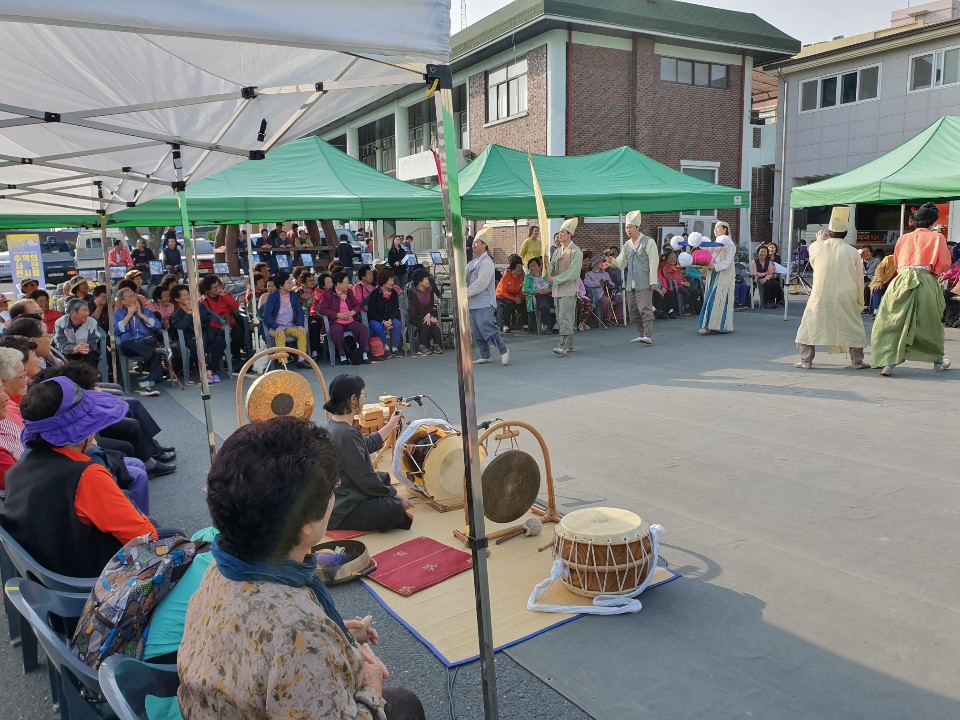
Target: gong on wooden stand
278, 392
510, 480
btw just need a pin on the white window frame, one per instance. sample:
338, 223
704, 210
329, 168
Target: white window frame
691, 215
506, 67
938, 56
839, 76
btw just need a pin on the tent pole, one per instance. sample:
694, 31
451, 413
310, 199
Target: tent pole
623, 290
786, 295
106, 265
442, 75
179, 189
253, 317
903, 217
516, 239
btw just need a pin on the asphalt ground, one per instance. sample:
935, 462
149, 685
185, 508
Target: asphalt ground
812, 514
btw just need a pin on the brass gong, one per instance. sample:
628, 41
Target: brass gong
511, 483
279, 393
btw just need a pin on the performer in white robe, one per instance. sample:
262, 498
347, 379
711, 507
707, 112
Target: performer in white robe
718, 298
832, 316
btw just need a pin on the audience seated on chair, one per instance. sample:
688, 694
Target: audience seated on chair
161, 306
383, 314
765, 272
423, 313
13, 379
364, 285
215, 343
28, 351
77, 335
537, 291
596, 280
135, 327
341, 308
98, 307
511, 303
61, 506
283, 314
47, 314
270, 493
225, 309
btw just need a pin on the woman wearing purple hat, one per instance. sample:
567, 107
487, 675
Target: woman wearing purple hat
61, 506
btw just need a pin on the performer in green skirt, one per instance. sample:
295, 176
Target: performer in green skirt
908, 324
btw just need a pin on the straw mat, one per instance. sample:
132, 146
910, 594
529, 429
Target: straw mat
443, 617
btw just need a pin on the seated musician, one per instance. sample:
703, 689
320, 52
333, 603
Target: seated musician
263, 637
365, 498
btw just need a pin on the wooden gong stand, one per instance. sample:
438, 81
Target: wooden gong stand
275, 354
508, 430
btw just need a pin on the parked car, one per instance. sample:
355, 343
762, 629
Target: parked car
58, 265
6, 273
358, 246
205, 257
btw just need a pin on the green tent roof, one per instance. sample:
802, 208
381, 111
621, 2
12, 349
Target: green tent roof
925, 167
43, 222
307, 178
499, 185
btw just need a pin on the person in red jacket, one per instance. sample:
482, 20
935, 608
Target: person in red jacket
510, 298
120, 256
341, 308
225, 307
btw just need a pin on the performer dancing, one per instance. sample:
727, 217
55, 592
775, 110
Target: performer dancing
565, 264
908, 324
482, 300
718, 299
832, 315
640, 259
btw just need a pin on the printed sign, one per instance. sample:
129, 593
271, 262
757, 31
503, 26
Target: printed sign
221, 269
283, 262
117, 272
737, 200
156, 267
307, 259
25, 258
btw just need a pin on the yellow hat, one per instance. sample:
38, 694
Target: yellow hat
633, 218
485, 235
840, 219
570, 225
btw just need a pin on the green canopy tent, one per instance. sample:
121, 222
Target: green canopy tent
499, 185
925, 167
305, 178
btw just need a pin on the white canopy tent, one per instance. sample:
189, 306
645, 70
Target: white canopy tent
104, 105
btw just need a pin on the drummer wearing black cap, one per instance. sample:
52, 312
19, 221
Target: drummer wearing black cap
365, 499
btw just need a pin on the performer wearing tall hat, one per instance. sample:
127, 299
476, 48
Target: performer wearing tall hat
482, 300
640, 259
716, 315
832, 316
565, 263
908, 324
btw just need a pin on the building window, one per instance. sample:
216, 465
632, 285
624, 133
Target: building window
844, 89
507, 91
936, 69
706, 171
689, 72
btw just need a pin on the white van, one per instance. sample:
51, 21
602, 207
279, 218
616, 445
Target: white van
89, 252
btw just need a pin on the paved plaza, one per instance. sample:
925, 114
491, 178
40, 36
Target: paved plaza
813, 516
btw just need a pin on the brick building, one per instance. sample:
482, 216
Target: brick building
671, 79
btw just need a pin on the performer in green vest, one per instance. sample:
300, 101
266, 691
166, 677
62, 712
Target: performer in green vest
640, 259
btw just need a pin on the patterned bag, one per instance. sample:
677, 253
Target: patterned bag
376, 347
117, 615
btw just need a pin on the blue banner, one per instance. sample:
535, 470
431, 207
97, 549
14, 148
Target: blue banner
26, 260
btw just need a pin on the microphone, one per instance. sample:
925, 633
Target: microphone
418, 399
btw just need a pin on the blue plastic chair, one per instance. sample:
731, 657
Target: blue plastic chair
16, 562
49, 614
184, 356
126, 682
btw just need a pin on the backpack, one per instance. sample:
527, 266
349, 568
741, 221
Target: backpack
116, 617
351, 349
376, 347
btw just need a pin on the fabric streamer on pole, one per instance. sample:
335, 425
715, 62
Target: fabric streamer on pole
106, 266
441, 79
623, 288
542, 218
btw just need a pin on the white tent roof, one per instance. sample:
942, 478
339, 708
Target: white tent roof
103, 91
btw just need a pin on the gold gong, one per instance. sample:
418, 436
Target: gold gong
279, 393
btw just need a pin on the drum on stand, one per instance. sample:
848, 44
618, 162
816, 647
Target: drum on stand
432, 460
604, 551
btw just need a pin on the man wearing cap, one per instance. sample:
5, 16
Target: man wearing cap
639, 259
78, 286
65, 509
908, 324
120, 256
28, 285
832, 315
482, 300
565, 263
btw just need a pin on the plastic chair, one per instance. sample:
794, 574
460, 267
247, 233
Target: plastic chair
184, 356
331, 350
165, 337
126, 682
104, 354
16, 562
49, 614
